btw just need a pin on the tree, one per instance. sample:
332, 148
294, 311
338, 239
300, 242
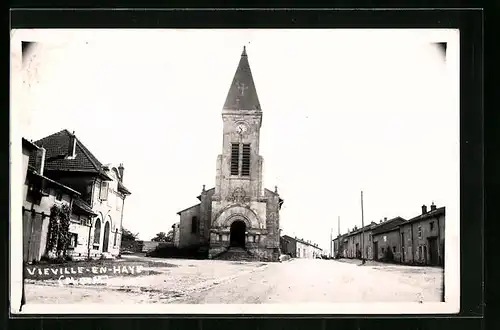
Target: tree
127, 235
162, 237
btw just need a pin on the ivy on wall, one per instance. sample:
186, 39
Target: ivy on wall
58, 234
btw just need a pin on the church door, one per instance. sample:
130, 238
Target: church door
237, 233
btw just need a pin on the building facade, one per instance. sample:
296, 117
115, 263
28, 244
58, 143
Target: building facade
299, 248
40, 194
238, 211
418, 241
422, 237
97, 213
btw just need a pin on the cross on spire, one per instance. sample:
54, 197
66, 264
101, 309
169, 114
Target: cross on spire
241, 87
242, 94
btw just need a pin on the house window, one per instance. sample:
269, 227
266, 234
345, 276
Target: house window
419, 231
87, 197
431, 225
194, 225
245, 164
103, 194
59, 195
394, 249
73, 242
235, 158
84, 221
116, 234
369, 237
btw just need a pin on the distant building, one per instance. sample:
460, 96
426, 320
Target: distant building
385, 240
419, 240
299, 248
340, 246
98, 211
353, 242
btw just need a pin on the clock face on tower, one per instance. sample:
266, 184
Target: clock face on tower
241, 128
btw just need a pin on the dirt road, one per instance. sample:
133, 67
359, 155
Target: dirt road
296, 281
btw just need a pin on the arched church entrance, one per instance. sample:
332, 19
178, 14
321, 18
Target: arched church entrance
237, 234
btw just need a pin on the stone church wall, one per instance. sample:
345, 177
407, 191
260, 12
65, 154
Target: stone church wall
187, 237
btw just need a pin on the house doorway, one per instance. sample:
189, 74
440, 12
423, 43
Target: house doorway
433, 251
237, 234
375, 251
105, 243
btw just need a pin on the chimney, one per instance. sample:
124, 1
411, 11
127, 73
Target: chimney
380, 221
120, 170
433, 207
72, 145
385, 218
40, 154
424, 209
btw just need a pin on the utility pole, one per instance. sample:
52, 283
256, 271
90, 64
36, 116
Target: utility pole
331, 242
362, 232
339, 225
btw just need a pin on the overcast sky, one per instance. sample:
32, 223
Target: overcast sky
343, 111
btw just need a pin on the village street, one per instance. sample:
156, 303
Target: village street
210, 281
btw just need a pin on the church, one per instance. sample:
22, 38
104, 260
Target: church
238, 218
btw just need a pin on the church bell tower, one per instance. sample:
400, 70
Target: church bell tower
239, 167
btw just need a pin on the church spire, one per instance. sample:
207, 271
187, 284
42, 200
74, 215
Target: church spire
242, 94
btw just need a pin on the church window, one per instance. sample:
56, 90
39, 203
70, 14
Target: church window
245, 166
194, 224
235, 157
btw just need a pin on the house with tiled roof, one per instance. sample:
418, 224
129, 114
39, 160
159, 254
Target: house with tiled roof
385, 240
422, 237
419, 240
40, 195
98, 211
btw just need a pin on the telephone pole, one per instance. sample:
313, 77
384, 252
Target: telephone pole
362, 232
331, 242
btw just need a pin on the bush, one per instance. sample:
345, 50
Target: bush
168, 251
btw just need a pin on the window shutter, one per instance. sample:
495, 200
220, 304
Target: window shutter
235, 156
104, 191
245, 167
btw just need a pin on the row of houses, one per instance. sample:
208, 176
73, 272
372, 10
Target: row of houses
299, 248
61, 174
418, 241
